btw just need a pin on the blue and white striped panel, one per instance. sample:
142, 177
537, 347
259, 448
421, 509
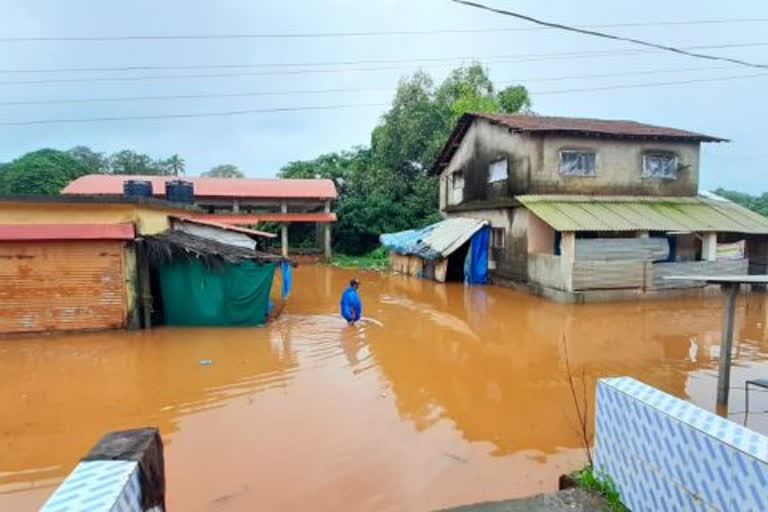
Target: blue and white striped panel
98, 486
666, 454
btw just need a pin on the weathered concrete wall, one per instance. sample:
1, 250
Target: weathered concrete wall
548, 271
509, 262
619, 168
533, 164
483, 144
541, 236
666, 454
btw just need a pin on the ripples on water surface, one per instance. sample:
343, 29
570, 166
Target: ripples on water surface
444, 395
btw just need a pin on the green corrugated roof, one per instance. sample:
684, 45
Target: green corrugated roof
643, 213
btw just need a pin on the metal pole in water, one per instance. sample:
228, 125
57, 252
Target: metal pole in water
724, 373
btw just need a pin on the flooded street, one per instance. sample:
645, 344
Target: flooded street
445, 395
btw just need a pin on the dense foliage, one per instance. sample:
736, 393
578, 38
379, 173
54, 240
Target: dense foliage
757, 204
42, 172
385, 187
224, 171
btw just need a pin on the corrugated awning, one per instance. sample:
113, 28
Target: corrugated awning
434, 241
24, 232
643, 213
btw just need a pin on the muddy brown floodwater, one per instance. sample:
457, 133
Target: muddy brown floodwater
445, 395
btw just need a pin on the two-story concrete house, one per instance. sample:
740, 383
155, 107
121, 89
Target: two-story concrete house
581, 206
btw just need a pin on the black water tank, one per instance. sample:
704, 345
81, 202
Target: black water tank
137, 188
180, 191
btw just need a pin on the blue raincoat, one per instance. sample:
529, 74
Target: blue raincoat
351, 307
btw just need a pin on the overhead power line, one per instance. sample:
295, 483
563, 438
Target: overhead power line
522, 56
339, 90
604, 35
305, 35
344, 106
302, 71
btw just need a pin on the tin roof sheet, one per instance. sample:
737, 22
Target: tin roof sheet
640, 213
437, 240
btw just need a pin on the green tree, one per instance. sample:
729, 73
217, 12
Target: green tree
386, 188
131, 162
173, 165
514, 99
92, 161
757, 204
224, 171
42, 172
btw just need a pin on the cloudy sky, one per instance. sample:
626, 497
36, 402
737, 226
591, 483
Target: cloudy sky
718, 100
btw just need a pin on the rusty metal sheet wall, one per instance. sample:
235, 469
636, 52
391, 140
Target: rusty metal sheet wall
61, 286
601, 275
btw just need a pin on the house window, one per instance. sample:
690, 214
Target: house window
660, 165
577, 163
498, 238
457, 187
497, 171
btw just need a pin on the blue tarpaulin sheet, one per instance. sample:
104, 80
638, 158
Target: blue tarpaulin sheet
435, 241
285, 269
476, 262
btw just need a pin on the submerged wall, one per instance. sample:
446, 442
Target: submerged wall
666, 454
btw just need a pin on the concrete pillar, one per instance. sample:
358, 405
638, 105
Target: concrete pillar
642, 234
567, 257
284, 231
709, 246
327, 233
235, 206
327, 240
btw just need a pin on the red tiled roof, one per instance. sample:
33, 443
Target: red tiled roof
26, 232
245, 188
531, 123
246, 231
248, 219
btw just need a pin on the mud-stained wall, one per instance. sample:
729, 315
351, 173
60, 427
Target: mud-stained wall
483, 144
509, 262
533, 165
619, 167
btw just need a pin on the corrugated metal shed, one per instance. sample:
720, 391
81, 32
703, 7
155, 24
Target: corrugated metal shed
641, 213
438, 240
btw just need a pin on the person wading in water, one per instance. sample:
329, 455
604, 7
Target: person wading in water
351, 307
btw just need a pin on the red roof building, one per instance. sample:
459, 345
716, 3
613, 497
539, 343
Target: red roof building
237, 201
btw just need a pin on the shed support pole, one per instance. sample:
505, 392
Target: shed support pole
709, 246
284, 231
724, 373
567, 257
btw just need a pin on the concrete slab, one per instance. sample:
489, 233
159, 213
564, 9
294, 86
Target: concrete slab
570, 500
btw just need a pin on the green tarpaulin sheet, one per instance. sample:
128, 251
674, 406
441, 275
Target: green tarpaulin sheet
225, 295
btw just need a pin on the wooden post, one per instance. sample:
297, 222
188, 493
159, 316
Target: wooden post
144, 285
724, 373
284, 231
